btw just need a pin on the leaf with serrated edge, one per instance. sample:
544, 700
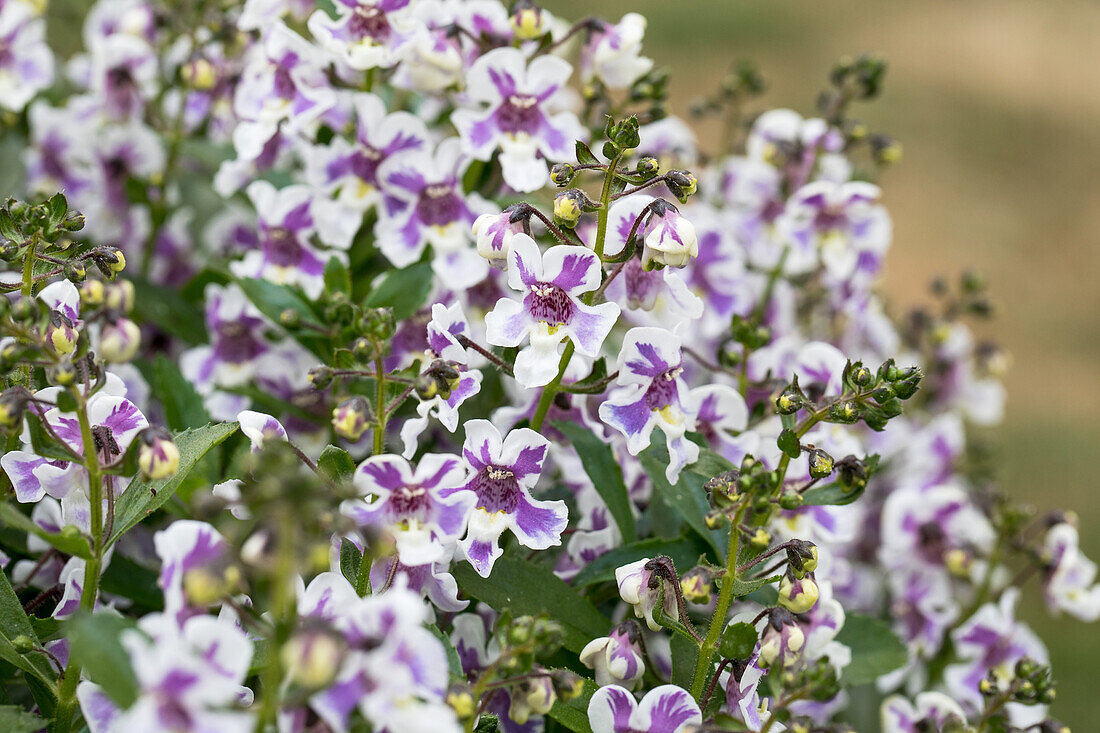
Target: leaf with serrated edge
143, 497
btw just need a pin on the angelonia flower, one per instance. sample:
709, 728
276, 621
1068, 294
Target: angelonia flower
551, 308
380, 361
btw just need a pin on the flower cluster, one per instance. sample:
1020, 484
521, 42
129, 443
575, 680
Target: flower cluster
380, 431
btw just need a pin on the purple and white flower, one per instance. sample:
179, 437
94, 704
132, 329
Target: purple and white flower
518, 121
642, 586
365, 33
898, 715
612, 54
26, 63
430, 207
260, 428
505, 469
664, 709
1070, 576
494, 234
616, 658
551, 308
650, 393
285, 255
423, 508
350, 169
447, 324
189, 676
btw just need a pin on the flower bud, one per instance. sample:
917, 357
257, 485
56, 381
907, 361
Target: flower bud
670, 239
568, 207
532, 695
62, 374
25, 309
461, 699
528, 21
568, 685
350, 418
801, 557
798, 595
158, 456
320, 377
562, 174
10, 251
119, 341
761, 538
199, 74
782, 640
695, 585
494, 233
208, 584
73, 222
649, 167
13, 405
290, 319
23, 644
312, 658
682, 184
60, 334
821, 463
75, 271
790, 400
846, 412
790, 499
92, 293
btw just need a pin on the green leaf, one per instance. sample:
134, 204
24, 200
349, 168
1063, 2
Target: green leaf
336, 464
97, 647
687, 497
351, 557
14, 719
594, 383
70, 543
876, 650
584, 155
272, 299
143, 497
742, 587
8, 229
168, 311
574, 713
403, 290
14, 623
337, 276
684, 553
685, 653
788, 443
738, 641
454, 664
183, 406
599, 463
58, 208
830, 495
526, 588
710, 464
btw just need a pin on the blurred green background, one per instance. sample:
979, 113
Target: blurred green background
997, 104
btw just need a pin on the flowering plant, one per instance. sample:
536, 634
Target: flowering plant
322, 412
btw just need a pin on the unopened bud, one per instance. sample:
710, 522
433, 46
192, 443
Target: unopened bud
119, 341
312, 658
158, 456
13, 405
798, 595
568, 207
320, 377
562, 174
92, 293
821, 463
61, 334
350, 418
695, 585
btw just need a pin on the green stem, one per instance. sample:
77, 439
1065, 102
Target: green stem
552, 389
718, 621
380, 407
282, 611
28, 268
66, 702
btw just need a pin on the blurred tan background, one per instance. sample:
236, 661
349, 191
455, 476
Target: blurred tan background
997, 104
